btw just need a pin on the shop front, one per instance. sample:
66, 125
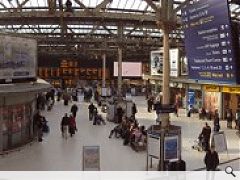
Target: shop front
231, 99
221, 98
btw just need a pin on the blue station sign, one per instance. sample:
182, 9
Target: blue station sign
208, 41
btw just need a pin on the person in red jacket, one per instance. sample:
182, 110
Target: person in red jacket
72, 125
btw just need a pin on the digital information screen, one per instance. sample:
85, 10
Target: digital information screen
208, 41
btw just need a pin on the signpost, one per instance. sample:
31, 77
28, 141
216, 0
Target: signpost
91, 158
208, 41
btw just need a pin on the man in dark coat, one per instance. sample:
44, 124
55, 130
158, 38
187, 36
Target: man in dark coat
90, 110
119, 114
211, 160
150, 104
74, 110
38, 124
216, 123
206, 134
134, 110
65, 125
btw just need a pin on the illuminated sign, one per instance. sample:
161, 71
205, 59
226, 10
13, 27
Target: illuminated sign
211, 88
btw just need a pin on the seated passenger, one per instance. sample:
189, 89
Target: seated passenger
118, 130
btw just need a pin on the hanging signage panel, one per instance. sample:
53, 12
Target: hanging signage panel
18, 58
156, 62
174, 62
208, 41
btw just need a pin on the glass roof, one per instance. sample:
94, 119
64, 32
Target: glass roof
123, 6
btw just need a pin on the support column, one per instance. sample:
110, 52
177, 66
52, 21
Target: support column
119, 72
104, 70
166, 76
221, 104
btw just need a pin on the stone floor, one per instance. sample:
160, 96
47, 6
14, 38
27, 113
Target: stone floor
55, 153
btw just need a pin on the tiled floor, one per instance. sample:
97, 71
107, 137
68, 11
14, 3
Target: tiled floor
55, 153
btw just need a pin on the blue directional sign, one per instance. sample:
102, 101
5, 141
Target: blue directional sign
208, 41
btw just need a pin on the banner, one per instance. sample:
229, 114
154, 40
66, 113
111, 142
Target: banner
174, 62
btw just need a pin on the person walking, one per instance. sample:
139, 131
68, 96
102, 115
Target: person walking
150, 104
59, 94
216, 123
72, 125
134, 110
237, 121
211, 160
90, 111
65, 126
206, 134
74, 110
119, 114
66, 98
229, 118
38, 122
94, 116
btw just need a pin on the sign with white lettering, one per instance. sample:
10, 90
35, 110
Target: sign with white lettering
208, 41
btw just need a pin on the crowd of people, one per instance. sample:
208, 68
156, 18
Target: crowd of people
127, 129
130, 131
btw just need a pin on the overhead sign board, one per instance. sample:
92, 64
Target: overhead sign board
234, 90
211, 88
18, 58
208, 41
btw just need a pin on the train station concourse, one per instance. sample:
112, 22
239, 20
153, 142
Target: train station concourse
120, 85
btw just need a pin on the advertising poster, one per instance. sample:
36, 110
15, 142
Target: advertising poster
191, 98
18, 58
220, 142
91, 158
171, 152
184, 65
129, 69
208, 41
156, 62
174, 62
154, 146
